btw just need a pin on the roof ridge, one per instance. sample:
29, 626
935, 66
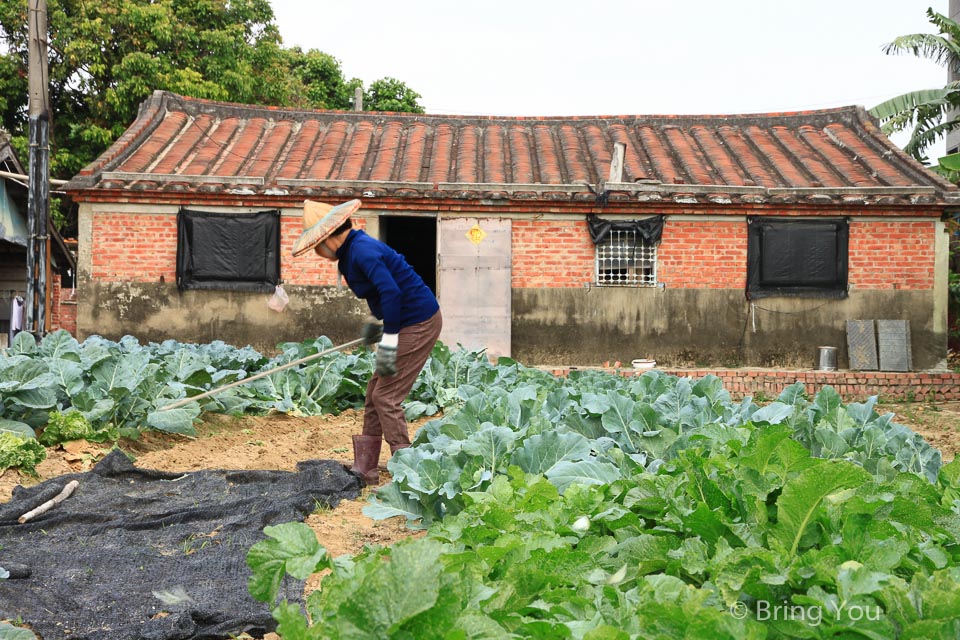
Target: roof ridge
185, 101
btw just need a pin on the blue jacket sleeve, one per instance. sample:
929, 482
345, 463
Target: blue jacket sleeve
391, 300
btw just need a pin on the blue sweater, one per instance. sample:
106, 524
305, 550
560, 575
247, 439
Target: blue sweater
376, 273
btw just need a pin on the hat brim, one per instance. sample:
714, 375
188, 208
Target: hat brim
324, 228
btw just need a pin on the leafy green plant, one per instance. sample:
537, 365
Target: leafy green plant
73, 425
17, 451
101, 389
603, 507
10, 632
699, 549
594, 428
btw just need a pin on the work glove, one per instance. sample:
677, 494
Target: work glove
371, 333
387, 355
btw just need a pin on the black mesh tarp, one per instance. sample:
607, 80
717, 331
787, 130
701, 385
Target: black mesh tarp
790, 257
233, 252
93, 565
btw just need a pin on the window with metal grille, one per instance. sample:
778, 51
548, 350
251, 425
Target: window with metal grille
624, 258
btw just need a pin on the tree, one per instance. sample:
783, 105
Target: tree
107, 57
317, 82
930, 113
389, 94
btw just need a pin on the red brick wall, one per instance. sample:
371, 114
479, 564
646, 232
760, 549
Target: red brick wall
134, 247
851, 385
703, 255
62, 311
713, 254
892, 255
550, 253
143, 247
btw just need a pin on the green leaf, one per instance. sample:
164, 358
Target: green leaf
950, 162
539, 454
854, 580
390, 502
292, 549
68, 375
23, 343
24, 453
567, 472
398, 590
803, 496
291, 623
10, 632
178, 420
493, 444
17, 428
36, 398
773, 413
60, 345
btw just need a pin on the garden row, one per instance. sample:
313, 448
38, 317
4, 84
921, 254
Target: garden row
592, 506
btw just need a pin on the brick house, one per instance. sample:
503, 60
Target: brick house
743, 240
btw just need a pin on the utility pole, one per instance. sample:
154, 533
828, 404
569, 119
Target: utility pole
38, 196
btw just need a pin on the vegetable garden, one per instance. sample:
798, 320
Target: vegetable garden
595, 506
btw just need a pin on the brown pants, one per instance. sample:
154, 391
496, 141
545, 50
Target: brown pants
383, 413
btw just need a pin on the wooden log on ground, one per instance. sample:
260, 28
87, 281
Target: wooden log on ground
51, 503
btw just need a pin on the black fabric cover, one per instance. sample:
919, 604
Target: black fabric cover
93, 562
805, 258
233, 252
650, 229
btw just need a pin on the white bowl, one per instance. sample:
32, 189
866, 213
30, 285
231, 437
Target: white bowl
643, 363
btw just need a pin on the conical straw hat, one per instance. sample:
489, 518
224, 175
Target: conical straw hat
319, 221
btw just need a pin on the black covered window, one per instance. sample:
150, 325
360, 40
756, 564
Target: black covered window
230, 251
789, 257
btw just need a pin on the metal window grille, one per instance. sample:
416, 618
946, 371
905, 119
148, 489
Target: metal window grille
625, 259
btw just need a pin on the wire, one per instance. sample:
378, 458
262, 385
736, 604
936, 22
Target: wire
790, 313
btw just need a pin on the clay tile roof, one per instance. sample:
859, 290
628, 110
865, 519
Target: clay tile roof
181, 145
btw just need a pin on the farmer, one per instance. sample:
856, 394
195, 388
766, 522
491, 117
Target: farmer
398, 297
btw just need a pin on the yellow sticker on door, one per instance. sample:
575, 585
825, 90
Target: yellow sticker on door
476, 234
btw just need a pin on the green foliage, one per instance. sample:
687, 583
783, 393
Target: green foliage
389, 94
73, 425
101, 389
600, 506
593, 428
10, 632
701, 548
22, 452
107, 58
927, 113
317, 82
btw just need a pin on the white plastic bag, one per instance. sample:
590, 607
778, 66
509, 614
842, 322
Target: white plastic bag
279, 299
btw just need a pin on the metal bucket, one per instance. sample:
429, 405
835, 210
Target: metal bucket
827, 358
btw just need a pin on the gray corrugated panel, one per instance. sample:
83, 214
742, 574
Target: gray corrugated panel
862, 345
893, 338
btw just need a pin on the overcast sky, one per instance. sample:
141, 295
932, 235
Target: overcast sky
617, 57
